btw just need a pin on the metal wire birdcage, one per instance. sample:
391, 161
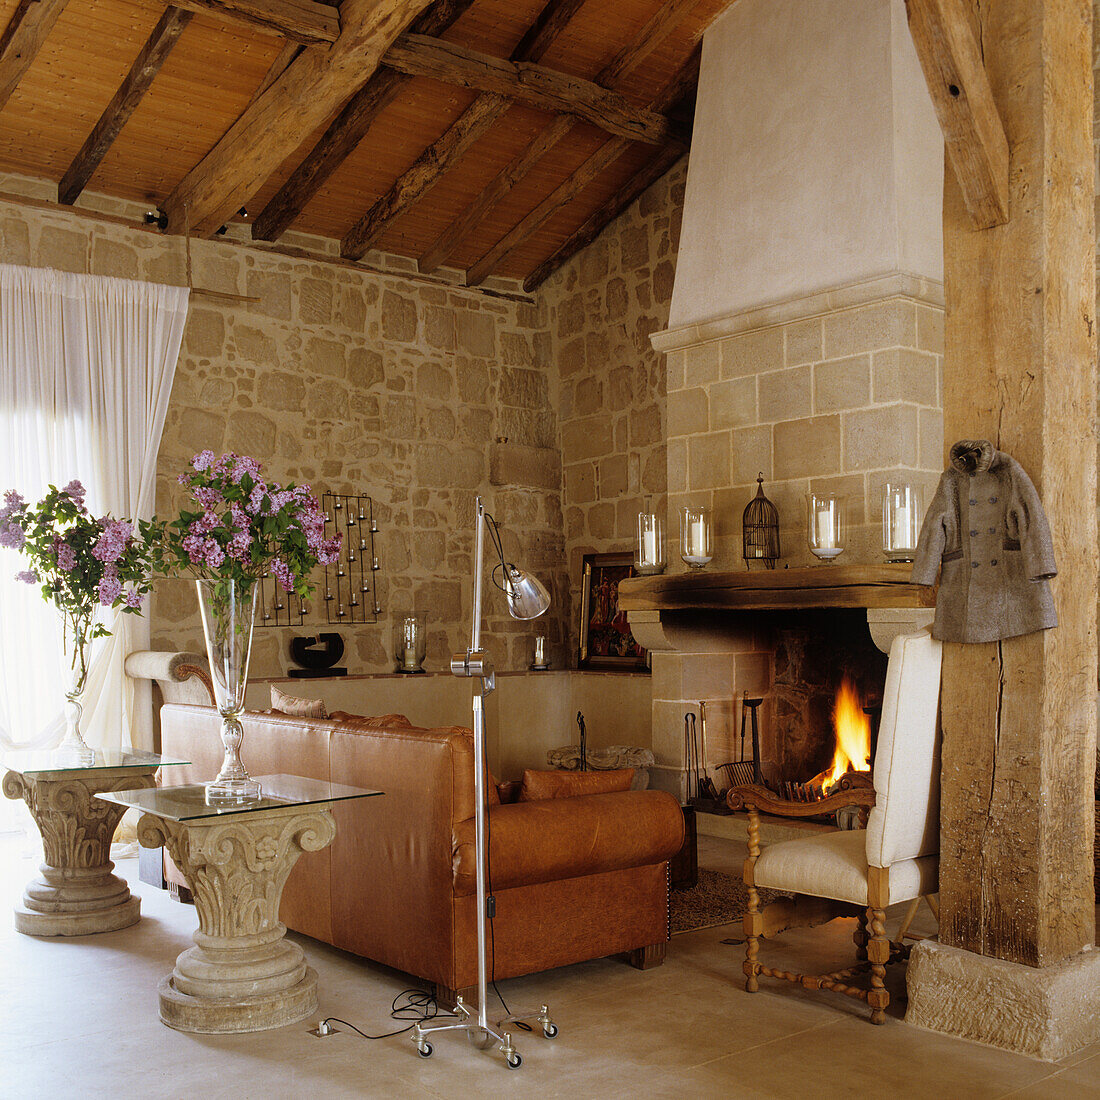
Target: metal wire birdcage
760, 527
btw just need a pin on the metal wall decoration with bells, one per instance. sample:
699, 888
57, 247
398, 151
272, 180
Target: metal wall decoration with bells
351, 590
760, 528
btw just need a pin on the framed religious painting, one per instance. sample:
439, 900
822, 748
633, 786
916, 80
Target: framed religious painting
605, 639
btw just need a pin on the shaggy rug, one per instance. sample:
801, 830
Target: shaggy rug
716, 899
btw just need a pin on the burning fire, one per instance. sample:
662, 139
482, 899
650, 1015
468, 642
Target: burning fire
853, 738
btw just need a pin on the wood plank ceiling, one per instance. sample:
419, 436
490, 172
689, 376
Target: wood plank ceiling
493, 136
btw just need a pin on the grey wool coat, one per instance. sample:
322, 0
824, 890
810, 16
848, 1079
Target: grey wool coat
987, 530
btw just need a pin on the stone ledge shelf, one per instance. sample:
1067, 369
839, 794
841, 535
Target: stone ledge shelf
894, 604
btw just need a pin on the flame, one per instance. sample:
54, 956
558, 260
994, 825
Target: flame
853, 735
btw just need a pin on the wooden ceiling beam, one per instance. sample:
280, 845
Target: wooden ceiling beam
346, 131
426, 171
431, 166
624, 62
313, 86
534, 85
302, 21
961, 94
22, 38
141, 75
568, 190
600, 219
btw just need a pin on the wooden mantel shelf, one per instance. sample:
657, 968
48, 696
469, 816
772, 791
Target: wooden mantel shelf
883, 585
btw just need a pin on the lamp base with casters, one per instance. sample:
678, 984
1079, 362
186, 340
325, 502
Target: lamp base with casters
482, 1035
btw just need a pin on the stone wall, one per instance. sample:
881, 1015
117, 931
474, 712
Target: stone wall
602, 308
421, 396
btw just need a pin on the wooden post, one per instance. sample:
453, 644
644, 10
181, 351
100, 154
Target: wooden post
1019, 716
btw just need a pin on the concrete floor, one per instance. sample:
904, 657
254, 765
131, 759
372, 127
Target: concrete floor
79, 1017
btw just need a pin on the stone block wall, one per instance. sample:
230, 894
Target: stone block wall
421, 396
838, 399
602, 308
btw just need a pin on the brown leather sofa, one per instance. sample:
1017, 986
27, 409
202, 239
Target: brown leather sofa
574, 878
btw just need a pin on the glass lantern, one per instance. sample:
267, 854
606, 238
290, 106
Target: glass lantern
902, 514
695, 537
826, 524
410, 645
651, 544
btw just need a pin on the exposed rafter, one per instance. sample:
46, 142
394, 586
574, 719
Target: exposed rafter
534, 85
430, 167
22, 38
602, 159
312, 88
346, 131
302, 21
142, 72
960, 90
598, 221
624, 62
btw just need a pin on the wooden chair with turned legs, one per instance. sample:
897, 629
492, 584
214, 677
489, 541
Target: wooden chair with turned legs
858, 872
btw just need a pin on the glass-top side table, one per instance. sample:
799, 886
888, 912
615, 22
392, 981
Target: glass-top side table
242, 974
76, 894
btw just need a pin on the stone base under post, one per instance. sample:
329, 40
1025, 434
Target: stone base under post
1045, 1013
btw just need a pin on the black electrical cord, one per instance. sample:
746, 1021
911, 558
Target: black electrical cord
420, 1003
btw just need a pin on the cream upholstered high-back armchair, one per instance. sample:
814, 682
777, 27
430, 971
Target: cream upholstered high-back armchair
894, 860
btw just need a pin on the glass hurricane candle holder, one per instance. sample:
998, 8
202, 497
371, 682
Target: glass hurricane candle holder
651, 544
826, 524
902, 514
410, 646
695, 539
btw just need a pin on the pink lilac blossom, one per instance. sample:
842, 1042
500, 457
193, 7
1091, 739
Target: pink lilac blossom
76, 491
244, 465
239, 516
256, 498
109, 589
330, 550
11, 535
66, 556
283, 574
27, 576
240, 546
204, 524
111, 545
203, 460
215, 555
134, 598
207, 497
13, 501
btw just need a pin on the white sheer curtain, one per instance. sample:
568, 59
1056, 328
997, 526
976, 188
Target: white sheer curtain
86, 368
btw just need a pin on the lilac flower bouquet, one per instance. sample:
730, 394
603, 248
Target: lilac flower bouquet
82, 563
240, 527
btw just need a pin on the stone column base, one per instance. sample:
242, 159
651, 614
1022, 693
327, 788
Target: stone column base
255, 1012
1046, 1012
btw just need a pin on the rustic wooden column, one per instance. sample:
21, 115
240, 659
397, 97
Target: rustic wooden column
1019, 716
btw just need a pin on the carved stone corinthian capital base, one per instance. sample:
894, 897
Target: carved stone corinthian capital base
241, 975
76, 894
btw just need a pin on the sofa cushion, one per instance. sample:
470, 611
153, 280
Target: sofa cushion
372, 721
558, 838
297, 705
538, 786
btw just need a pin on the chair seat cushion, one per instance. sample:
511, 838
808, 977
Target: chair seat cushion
834, 865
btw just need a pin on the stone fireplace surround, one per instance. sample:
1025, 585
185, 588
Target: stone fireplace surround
717, 653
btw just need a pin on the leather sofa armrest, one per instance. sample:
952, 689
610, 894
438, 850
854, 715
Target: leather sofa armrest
561, 838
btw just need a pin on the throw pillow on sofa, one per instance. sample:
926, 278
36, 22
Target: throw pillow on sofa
297, 706
538, 786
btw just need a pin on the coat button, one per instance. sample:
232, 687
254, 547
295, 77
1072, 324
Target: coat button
992, 500
973, 534
993, 562
973, 565
973, 501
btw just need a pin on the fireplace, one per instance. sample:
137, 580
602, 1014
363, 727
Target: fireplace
789, 637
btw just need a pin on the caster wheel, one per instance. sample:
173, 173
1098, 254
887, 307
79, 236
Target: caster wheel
550, 1030
424, 1050
514, 1061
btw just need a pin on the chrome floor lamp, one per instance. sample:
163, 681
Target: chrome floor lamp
527, 599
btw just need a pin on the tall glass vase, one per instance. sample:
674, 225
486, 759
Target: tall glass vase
227, 613
73, 746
